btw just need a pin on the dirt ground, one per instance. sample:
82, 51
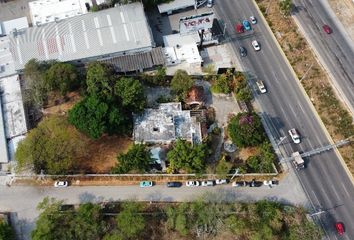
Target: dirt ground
61, 107
344, 9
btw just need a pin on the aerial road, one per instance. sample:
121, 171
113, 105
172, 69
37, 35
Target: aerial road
284, 107
334, 47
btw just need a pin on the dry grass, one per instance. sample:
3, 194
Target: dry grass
316, 83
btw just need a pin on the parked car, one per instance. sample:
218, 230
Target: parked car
340, 228
174, 184
207, 183
243, 52
246, 24
253, 20
261, 86
295, 136
221, 181
239, 28
327, 29
146, 184
256, 45
240, 184
192, 183
270, 183
61, 184
255, 183
210, 3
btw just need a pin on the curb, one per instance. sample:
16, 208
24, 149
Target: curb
306, 96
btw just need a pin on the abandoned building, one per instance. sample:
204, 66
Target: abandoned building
166, 124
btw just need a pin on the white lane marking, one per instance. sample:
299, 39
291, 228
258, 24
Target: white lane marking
345, 189
316, 198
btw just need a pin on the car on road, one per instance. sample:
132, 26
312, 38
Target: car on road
207, 183
261, 86
174, 184
255, 183
210, 3
243, 52
144, 184
239, 28
327, 29
192, 183
246, 24
270, 183
340, 228
240, 184
61, 184
253, 20
221, 181
295, 136
256, 45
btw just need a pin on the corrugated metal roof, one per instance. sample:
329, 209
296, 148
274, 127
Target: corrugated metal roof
136, 62
120, 29
175, 5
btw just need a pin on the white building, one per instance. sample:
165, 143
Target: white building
7, 27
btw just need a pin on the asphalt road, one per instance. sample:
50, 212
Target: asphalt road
335, 50
22, 201
285, 107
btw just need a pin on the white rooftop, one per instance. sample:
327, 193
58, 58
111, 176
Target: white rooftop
100, 34
7, 65
18, 23
45, 11
175, 5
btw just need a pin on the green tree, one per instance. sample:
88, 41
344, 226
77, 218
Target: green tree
221, 84
130, 221
285, 7
6, 231
95, 117
245, 130
181, 83
137, 159
236, 224
100, 80
223, 168
62, 77
53, 147
187, 157
244, 94
131, 93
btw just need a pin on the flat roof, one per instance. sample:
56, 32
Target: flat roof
7, 65
175, 5
120, 29
45, 11
18, 23
4, 155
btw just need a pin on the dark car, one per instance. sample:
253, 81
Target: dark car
340, 228
255, 183
327, 29
174, 184
243, 52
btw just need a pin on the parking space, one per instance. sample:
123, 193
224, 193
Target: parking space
14, 9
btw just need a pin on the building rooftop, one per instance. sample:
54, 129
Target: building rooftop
45, 11
115, 30
166, 124
7, 65
18, 23
175, 5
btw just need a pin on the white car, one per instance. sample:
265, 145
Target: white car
61, 184
256, 45
295, 136
253, 20
261, 86
220, 181
210, 3
207, 183
192, 183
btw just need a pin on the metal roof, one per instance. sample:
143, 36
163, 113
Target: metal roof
175, 5
4, 155
116, 30
18, 23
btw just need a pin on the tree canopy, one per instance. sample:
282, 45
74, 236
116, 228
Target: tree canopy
181, 83
131, 93
130, 222
246, 130
137, 159
187, 157
100, 80
62, 77
52, 146
95, 117
6, 231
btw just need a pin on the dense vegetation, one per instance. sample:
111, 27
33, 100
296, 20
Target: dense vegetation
209, 219
6, 231
53, 146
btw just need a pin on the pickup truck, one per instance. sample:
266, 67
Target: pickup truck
298, 162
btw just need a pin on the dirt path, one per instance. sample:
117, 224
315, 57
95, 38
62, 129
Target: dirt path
344, 9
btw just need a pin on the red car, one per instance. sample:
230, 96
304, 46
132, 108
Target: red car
239, 28
327, 29
340, 228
